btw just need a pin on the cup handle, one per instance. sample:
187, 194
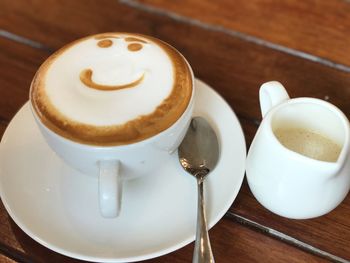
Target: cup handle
271, 94
110, 188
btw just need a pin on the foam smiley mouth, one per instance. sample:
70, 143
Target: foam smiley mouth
86, 78
106, 42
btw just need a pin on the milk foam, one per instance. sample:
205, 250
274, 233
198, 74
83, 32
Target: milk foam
112, 89
309, 144
114, 65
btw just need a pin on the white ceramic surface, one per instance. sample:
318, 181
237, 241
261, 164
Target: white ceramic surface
115, 164
58, 206
288, 183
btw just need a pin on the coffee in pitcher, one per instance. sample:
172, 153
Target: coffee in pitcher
308, 143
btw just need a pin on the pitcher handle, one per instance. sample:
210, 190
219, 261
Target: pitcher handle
271, 94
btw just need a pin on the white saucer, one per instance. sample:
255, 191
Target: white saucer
58, 206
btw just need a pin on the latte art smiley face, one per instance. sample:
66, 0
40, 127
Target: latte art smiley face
86, 75
112, 89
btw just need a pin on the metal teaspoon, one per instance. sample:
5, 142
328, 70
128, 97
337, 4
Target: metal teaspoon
198, 155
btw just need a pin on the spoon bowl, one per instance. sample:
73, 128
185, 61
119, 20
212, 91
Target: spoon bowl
199, 149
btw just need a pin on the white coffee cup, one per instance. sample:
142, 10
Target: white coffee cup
113, 164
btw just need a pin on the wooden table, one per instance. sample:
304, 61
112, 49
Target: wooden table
234, 46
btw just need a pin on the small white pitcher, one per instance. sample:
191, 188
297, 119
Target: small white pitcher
286, 182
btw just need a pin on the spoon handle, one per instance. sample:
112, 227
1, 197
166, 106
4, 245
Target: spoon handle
202, 250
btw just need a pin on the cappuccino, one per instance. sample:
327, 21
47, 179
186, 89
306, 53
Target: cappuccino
309, 144
112, 89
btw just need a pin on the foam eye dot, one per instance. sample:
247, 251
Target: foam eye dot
105, 43
134, 46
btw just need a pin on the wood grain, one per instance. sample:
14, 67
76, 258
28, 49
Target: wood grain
322, 232
229, 241
18, 65
232, 66
3, 126
315, 27
4, 259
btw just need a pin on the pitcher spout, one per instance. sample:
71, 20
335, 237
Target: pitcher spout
342, 160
